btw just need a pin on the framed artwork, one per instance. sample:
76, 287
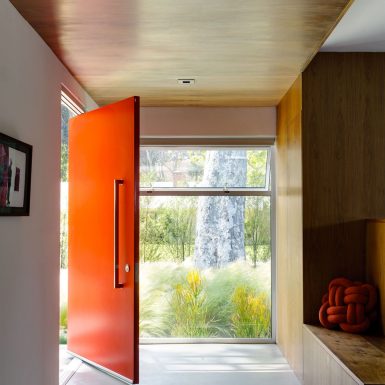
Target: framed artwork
15, 176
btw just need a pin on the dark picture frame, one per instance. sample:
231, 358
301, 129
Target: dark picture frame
15, 176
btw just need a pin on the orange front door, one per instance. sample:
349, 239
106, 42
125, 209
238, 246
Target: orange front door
103, 238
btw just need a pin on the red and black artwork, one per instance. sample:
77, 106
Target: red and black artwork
4, 162
15, 176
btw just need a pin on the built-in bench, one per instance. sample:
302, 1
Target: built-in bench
337, 358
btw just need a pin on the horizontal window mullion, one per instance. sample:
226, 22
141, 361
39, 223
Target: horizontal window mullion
183, 142
203, 192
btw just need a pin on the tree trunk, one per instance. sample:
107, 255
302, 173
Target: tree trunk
220, 235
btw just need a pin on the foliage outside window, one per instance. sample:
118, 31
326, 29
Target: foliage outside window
67, 112
66, 115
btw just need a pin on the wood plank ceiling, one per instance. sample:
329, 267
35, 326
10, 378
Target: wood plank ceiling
241, 52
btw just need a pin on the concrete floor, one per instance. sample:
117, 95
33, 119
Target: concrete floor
197, 364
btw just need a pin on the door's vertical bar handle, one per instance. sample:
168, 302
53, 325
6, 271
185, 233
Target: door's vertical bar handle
117, 183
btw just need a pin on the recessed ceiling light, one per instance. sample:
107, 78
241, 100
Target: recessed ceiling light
186, 82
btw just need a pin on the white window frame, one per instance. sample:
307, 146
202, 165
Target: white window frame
248, 143
70, 101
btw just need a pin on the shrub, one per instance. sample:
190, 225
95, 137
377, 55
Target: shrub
63, 338
63, 239
169, 227
221, 284
189, 308
63, 316
63, 324
251, 314
157, 280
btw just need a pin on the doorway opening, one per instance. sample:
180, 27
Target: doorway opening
206, 244
209, 209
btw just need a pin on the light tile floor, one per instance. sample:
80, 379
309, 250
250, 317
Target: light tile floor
203, 365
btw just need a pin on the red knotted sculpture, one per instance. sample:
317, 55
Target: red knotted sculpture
351, 305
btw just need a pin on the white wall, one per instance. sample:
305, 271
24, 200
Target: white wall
30, 83
215, 122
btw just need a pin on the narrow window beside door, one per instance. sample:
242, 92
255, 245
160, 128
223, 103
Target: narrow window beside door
69, 109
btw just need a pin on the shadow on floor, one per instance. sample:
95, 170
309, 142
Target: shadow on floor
203, 364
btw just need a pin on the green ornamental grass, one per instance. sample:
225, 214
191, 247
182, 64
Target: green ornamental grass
177, 300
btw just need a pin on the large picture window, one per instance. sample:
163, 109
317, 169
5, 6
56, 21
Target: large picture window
206, 242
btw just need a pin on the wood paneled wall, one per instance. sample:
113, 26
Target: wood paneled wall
330, 180
289, 228
343, 144
375, 263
